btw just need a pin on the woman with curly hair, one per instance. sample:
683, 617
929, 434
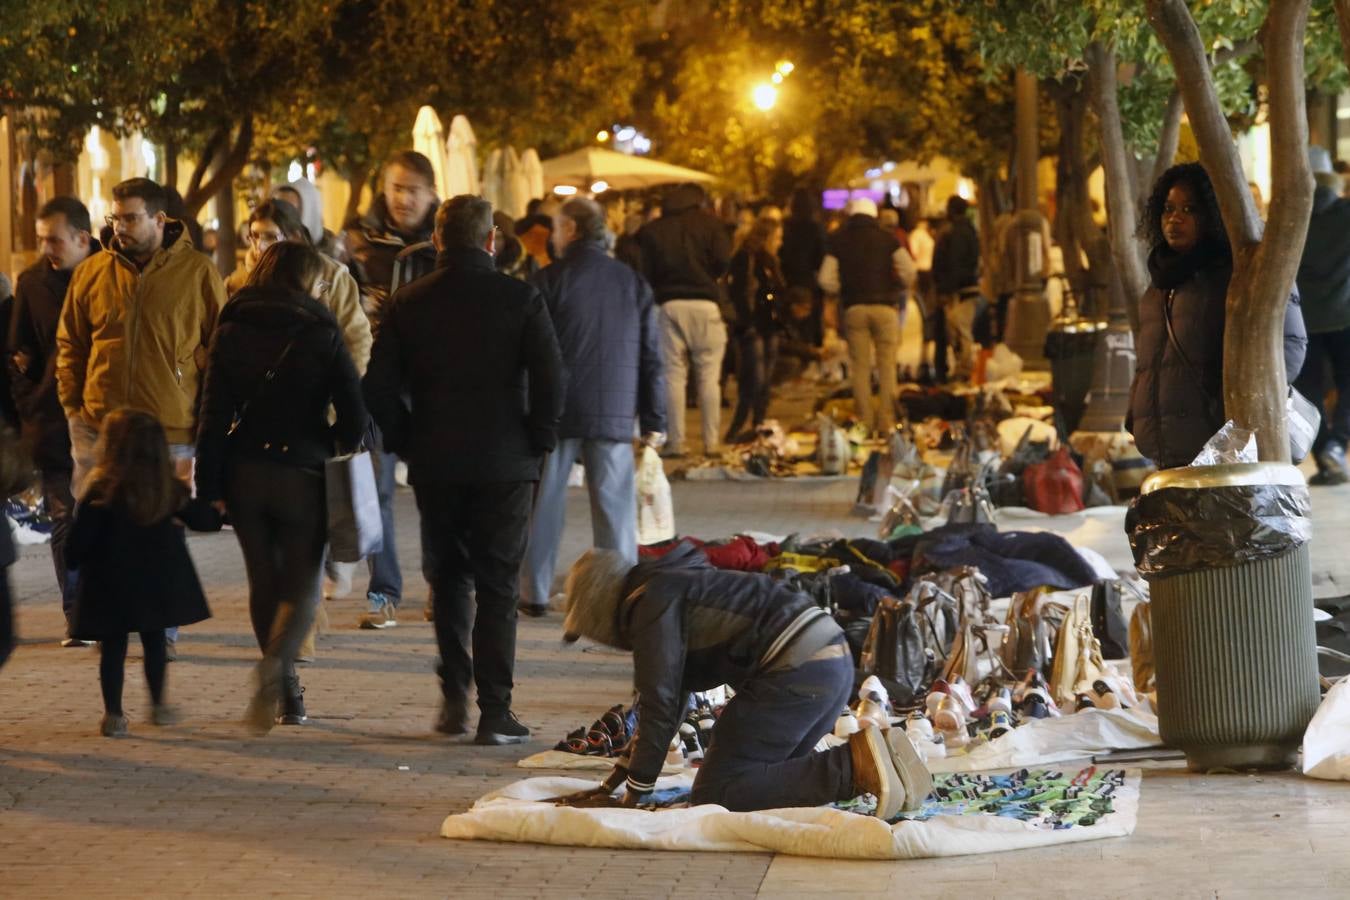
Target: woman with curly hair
1176, 402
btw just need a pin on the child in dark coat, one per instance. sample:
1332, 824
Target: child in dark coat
128, 547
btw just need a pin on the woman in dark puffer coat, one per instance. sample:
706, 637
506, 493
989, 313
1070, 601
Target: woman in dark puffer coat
1176, 403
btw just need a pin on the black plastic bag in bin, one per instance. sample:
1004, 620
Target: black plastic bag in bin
1174, 531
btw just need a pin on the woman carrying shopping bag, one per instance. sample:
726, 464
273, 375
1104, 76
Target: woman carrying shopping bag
277, 364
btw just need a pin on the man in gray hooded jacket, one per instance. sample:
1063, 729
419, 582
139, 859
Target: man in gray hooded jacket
691, 627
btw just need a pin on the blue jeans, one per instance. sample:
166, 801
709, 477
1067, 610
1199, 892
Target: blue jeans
386, 578
761, 755
610, 482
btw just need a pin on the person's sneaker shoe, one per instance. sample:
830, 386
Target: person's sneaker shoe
261, 713
501, 728
381, 615
429, 612
1328, 479
874, 771
913, 773
163, 714
1331, 465
453, 718
534, 611
170, 650
76, 642
292, 707
113, 726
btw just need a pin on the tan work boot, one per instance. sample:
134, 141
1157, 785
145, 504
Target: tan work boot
914, 774
874, 771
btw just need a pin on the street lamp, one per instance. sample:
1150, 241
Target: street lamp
784, 68
764, 96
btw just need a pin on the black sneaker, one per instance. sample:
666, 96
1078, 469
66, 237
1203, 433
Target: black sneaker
453, 719
533, 610
501, 728
292, 710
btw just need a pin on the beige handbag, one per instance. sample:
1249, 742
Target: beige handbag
1034, 620
1141, 649
1078, 655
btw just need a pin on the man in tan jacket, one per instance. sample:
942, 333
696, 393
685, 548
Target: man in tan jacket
135, 328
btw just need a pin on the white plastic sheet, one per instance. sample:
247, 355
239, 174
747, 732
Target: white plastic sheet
1326, 743
515, 813
1045, 741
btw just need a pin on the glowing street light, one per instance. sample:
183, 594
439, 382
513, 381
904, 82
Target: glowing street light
777, 78
784, 68
599, 187
764, 96
564, 190
602, 135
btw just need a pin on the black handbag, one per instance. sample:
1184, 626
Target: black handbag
1108, 619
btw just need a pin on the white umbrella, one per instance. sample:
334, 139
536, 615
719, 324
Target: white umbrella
429, 140
583, 168
462, 152
534, 172
515, 184
492, 178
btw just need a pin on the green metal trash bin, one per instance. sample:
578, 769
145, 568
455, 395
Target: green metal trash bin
1225, 552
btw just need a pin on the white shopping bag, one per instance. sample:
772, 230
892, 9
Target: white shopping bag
354, 525
656, 512
1326, 743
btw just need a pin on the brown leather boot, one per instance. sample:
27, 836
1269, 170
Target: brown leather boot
874, 771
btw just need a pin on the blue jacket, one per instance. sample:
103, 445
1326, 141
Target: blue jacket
605, 318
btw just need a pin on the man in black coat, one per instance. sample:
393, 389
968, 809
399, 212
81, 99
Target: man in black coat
465, 382
956, 277
605, 319
66, 240
684, 254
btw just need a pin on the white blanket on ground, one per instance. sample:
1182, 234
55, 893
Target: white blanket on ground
516, 814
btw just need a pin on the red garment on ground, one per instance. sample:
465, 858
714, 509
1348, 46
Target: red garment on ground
740, 554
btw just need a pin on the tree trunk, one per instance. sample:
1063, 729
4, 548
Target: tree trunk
1168, 139
171, 164
1073, 226
1122, 214
1263, 270
1343, 26
356, 182
63, 179
227, 234
227, 166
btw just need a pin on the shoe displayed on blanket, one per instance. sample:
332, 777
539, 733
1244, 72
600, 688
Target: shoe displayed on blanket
575, 742
872, 709
998, 724
599, 743
846, 724
950, 717
688, 735
875, 771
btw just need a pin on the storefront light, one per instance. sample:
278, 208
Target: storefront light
599, 187
564, 190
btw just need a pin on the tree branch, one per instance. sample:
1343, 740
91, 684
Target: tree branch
204, 162
231, 164
1117, 162
1172, 21
1240, 50
1343, 26
1169, 137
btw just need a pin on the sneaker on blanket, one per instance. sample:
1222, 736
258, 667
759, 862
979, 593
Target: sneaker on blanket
875, 771
575, 742
693, 748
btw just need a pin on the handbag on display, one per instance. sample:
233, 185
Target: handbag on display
355, 529
1108, 617
967, 506
1034, 620
1141, 649
1078, 662
1054, 487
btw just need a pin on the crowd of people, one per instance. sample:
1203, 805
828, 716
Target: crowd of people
489, 356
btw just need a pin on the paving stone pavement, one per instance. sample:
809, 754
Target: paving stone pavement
351, 804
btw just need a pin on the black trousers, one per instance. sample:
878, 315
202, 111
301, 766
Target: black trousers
1328, 365
7, 636
762, 750
280, 516
475, 538
112, 667
60, 503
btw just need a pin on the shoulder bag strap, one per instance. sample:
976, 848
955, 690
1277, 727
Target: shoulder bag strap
268, 377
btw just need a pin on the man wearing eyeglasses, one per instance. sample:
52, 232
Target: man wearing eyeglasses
65, 237
135, 328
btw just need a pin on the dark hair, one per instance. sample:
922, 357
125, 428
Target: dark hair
588, 217
413, 162
287, 189
76, 213
1194, 176
533, 220
464, 221
957, 206
289, 265
803, 204
134, 468
759, 234
156, 201
285, 215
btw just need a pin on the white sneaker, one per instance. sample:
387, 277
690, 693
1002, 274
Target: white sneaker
871, 709
380, 618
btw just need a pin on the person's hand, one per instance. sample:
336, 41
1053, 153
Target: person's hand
654, 439
591, 798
